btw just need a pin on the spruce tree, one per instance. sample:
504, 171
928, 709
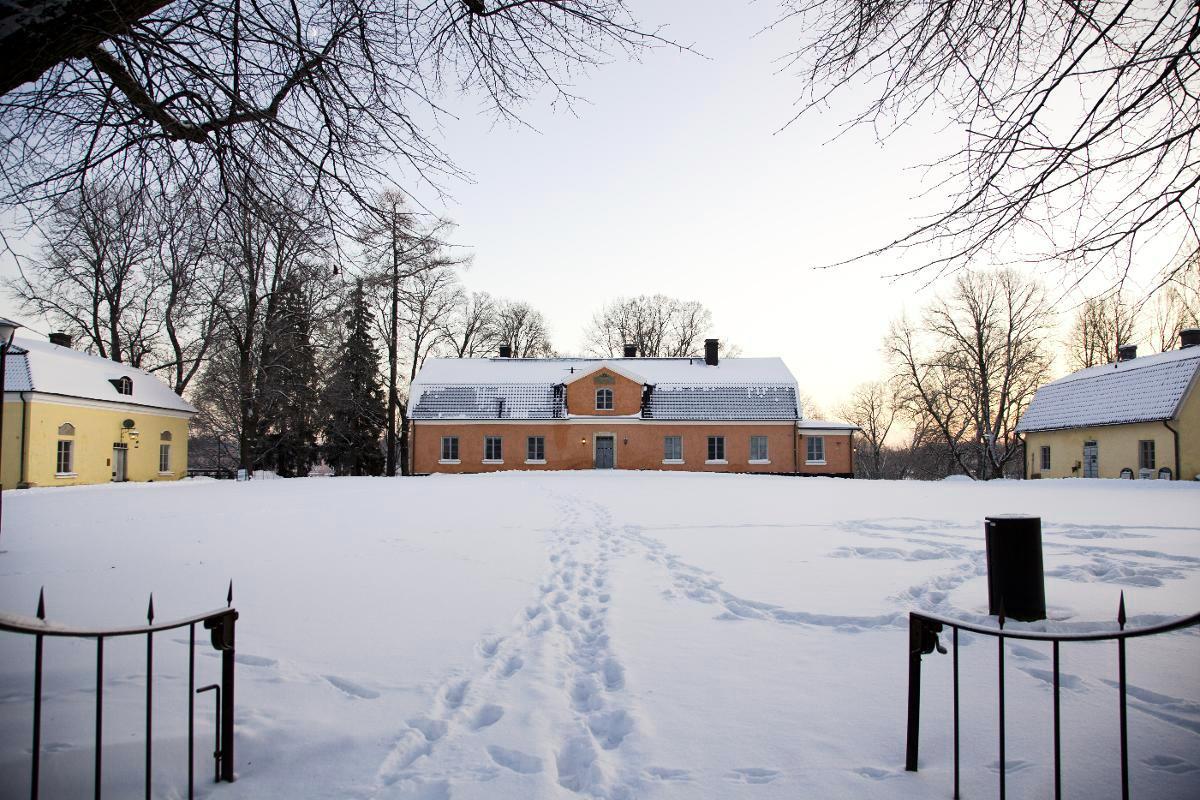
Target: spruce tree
288, 441
353, 403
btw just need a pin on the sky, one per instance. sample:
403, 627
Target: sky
677, 174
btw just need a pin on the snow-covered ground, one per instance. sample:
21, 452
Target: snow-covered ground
613, 635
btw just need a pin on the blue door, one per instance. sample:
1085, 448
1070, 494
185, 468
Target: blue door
604, 452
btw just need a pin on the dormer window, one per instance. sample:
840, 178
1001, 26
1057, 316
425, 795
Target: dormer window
604, 399
123, 385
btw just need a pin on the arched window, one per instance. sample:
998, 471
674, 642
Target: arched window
66, 429
166, 436
604, 399
123, 385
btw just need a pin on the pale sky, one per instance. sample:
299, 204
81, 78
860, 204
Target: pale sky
672, 176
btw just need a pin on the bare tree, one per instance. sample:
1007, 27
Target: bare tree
973, 364
523, 328
91, 276
873, 407
657, 325
1176, 307
320, 96
471, 329
1102, 324
1079, 119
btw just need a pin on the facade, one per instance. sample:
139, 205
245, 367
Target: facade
691, 414
1138, 416
71, 418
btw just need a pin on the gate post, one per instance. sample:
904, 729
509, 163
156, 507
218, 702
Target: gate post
915, 627
223, 640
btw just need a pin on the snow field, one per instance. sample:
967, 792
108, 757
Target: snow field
599, 635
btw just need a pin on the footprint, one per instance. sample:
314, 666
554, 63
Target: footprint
488, 647
511, 666
515, 760
532, 611
753, 775
1010, 766
431, 729
488, 715
1171, 764
668, 774
455, 693
611, 728
576, 763
351, 688
585, 695
254, 661
876, 774
411, 745
614, 674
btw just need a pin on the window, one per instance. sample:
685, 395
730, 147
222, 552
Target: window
164, 458
536, 449
604, 400
493, 449
65, 460
122, 385
1146, 454
165, 436
449, 448
1045, 457
672, 448
716, 448
758, 448
815, 452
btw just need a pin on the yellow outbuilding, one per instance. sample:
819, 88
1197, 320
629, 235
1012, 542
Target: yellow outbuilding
1135, 418
71, 418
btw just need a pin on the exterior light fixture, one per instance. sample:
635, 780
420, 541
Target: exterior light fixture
583, 440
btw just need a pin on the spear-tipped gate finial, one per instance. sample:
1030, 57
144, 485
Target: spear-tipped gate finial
229, 597
41, 611
1121, 611
1000, 610
150, 610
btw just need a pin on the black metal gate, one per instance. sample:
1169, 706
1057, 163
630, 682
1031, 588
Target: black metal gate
220, 623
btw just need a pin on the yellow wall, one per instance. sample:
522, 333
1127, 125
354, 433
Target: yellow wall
96, 430
1117, 445
1188, 426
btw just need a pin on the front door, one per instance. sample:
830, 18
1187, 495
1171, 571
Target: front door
1091, 460
118, 464
604, 452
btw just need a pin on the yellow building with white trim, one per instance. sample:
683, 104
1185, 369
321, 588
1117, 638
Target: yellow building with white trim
71, 418
1137, 417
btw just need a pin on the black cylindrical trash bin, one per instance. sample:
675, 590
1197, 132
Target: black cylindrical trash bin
1014, 565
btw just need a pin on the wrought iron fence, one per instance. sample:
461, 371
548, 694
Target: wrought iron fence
923, 630
220, 623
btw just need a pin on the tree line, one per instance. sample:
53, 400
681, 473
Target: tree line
295, 351
963, 370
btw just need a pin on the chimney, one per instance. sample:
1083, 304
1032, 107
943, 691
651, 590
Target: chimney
61, 339
1189, 337
710, 351
506, 351
631, 351
1127, 352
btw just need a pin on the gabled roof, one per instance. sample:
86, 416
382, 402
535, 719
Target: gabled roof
34, 365
684, 388
1146, 389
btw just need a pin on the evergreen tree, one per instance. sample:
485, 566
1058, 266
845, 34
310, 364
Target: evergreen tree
288, 439
353, 404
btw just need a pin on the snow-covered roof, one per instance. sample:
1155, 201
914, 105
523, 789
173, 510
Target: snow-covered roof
684, 388
1146, 389
34, 365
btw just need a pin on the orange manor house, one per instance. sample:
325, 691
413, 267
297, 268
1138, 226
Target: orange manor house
697, 414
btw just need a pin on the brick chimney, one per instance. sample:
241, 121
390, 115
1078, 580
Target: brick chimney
506, 351
710, 351
1189, 337
61, 339
1127, 352
631, 351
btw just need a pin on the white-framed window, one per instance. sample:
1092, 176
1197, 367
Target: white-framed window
604, 400
493, 448
1045, 457
1146, 454
814, 452
672, 448
123, 385
449, 448
164, 458
716, 448
64, 461
535, 448
758, 448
